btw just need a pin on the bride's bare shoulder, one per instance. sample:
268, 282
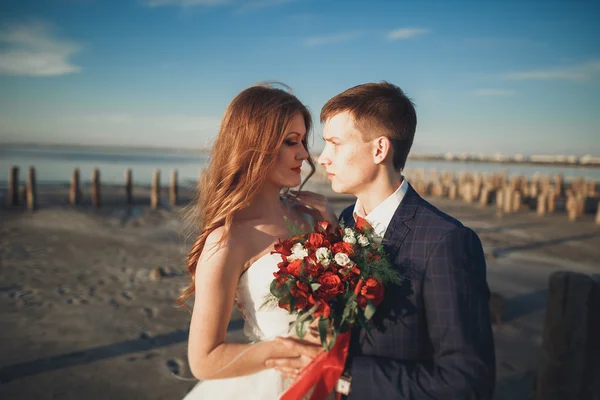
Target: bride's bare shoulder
226, 246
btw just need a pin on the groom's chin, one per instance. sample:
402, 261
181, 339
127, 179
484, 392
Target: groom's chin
338, 188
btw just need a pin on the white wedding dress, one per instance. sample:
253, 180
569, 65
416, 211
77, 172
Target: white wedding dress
261, 324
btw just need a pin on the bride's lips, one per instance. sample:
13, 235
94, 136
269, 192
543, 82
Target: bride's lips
297, 170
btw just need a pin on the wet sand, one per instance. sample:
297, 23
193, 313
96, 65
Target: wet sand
83, 315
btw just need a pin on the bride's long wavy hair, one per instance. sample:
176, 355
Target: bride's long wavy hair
252, 131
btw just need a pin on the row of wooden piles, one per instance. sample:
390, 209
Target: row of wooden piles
28, 192
547, 194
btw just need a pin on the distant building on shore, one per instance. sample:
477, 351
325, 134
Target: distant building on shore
589, 160
519, 158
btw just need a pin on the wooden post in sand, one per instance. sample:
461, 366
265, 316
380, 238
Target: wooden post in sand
155, 190
517, 199
31, 190
129, 185
484, 198
173, 189
571, 207
500, 201
559, 184
508, 199
75, 191
452, 191
96, 201
551, 202
569, 366
12, 196
541, 204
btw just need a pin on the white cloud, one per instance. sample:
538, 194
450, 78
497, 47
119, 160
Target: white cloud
32, 50
579, 72
493, 93
332, 39
406, 33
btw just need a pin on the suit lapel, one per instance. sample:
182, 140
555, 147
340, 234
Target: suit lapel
398, 228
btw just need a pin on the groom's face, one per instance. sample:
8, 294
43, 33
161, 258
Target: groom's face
347, 157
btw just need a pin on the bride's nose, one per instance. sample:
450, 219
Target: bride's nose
302, 154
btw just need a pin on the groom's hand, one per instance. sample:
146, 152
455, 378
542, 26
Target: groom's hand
315, 204
308, 349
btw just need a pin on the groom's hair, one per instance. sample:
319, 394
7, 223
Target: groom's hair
378, 109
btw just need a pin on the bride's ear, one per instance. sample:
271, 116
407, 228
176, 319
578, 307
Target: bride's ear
382, 147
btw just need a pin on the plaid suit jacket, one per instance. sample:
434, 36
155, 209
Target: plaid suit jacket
432, 334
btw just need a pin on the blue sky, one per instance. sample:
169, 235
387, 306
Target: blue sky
508, 76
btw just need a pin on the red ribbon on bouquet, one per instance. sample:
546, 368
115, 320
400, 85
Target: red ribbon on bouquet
323, 372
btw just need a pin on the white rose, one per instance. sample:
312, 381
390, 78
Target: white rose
342, 259
298, 253
350, 239
323, 253
363, 241
348, 232
325, 262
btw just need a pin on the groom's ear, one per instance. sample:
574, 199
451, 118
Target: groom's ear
382, 147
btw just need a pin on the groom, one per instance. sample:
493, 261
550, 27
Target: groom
432, 336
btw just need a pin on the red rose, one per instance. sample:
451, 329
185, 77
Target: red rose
343, 247
294, 268
331, 285
284, 248
316, 240
300, 297
362, 224
349, 274
281, 279
323, 226
302, 286
313, 268
373, 290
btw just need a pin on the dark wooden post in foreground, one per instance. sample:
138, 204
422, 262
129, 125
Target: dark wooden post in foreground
129, 185
155, 190
570, 356
96, 201
12, 197
75, 191
173, 188
31, 190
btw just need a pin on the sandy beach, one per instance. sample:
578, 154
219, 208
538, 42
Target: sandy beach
87, 296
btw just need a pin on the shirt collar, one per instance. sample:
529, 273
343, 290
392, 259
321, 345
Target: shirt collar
381, 216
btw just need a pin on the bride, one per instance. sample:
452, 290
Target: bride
260, 149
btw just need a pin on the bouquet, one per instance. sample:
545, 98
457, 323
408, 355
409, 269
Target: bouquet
337, 276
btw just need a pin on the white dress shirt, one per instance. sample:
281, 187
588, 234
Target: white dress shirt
381, 216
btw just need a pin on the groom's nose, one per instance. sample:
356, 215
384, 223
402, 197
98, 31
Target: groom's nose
323, 159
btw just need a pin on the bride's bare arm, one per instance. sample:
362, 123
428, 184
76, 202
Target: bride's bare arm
217, 274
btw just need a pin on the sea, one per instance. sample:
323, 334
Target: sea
55, 165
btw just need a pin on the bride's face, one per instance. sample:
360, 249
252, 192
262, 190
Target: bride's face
286, 171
